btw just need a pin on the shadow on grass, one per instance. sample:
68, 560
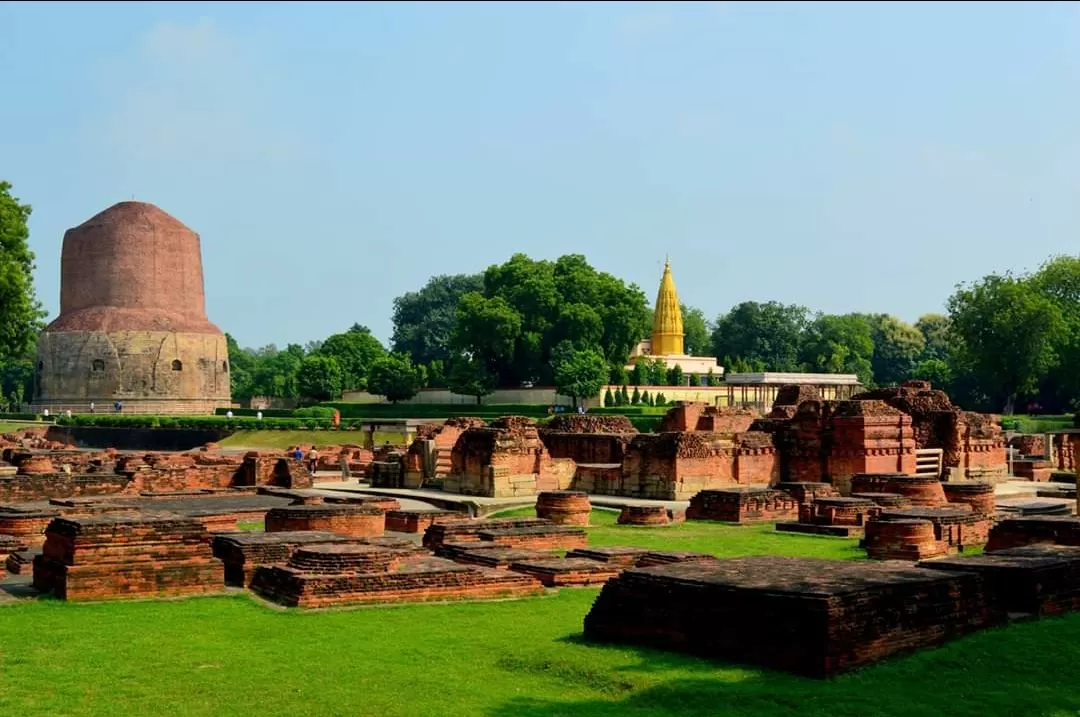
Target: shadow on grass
1022, 669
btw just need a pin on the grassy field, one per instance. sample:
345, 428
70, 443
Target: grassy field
287, 439
234, 656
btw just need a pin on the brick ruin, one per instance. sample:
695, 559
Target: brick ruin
742, 505
811, 617
45, 470
802, 440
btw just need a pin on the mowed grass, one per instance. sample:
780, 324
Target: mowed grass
288, 439
235, 656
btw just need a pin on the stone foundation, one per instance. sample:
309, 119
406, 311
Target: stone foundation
886, 500
469, 531
912, 539
833, 516
241, 553
954, 528
126, 556
644, 515
411, 579
804, 493
621, 557
920, 490
742, 505
811, 617
417, 521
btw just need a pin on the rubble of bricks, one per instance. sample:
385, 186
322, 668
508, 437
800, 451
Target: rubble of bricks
567, 572
743, 505
804, 492
840, 516
490, 556
339, 579
811, 617
1035, 580
242, 552
11, 544
910, 539
1036, 530
469, 531
417, 521
644, 515
564, 507
356, 520
617, 555
920, 490
127, 556
886, 500
979, 495
956, 526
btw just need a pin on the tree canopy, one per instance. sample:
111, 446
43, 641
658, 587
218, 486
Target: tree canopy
578, 373
395, 377
766, 336
356, 351
424, 320
20, 311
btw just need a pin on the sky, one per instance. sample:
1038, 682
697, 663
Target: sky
845, 157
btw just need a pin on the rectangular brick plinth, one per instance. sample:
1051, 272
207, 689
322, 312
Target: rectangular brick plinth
488, 554
807, 616
619, 556
417, 521
743, 505
241, 553
1039, 580
21, 562
127, 556
565, 572
541, 537
469, 531
1017, 532
414, 579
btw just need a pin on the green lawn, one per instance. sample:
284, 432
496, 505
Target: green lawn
287, 439
234, 656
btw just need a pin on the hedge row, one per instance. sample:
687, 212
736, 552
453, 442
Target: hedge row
310, 412
436, 410
21, 417
237, 423
630, 411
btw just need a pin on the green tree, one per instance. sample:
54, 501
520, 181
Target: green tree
675, 376
470, 377
20, 311
1007, 331
1059, 281
625, 395
936, 371
657, 372
898, 346
319, 378
395, 377
355, 351
935, 331
489, 330
619, 396
436, 373
639, 375
840, 344
276, 373
241, 369
767, 336
635, 399
619, 374
579, 373
424, 320
609, 398
697, 334
646, 399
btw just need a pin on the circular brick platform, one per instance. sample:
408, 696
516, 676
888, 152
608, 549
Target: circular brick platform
806, 492
920, 490
564, 507
902, 539
980, 496
644, 515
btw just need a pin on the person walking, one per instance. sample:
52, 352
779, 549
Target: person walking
298, 454
313, 460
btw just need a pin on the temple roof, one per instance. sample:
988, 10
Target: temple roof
667, 318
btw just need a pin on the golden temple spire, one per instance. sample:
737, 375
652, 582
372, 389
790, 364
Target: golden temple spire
667, 332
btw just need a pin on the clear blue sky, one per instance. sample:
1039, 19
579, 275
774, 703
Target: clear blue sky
848, 157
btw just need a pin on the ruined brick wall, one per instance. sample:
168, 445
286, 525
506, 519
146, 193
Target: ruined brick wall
592, 448
697, 416
131, 306
868, 437
590, 423
484, 460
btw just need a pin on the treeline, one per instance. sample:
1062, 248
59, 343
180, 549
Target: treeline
1005, 342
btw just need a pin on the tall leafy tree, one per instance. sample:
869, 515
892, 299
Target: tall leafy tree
766, 336
898, 347
241, 369
935, 331
20, 311
395, 377
697, 339
1008, 332
424, 320
319, 378
579, 373
1059, 281
840, 344
470, 377
355, 351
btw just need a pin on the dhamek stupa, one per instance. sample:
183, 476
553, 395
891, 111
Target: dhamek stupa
667, 339
132, 324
